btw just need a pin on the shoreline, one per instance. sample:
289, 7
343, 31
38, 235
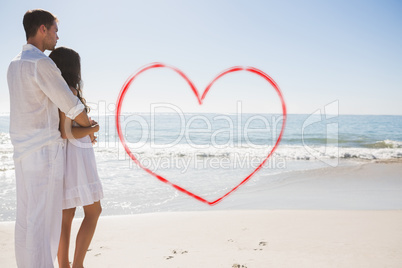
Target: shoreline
365, 186
369, 185
362, 185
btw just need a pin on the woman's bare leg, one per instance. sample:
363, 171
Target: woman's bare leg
62, 254
86, 232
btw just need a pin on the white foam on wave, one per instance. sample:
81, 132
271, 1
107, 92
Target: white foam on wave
291, 152
5, 139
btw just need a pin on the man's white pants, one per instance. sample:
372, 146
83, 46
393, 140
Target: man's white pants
39, 178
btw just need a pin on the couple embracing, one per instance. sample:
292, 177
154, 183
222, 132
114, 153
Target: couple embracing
52, 137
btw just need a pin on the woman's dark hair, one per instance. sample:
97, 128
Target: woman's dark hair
33, 19
69, 63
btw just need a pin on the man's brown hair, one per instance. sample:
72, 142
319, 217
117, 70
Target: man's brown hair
33, 19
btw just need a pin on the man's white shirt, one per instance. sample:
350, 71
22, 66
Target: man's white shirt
37, 91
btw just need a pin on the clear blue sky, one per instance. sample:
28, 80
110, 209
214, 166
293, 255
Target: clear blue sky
317, 51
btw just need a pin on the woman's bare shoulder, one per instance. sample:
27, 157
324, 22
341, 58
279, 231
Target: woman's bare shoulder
75, 92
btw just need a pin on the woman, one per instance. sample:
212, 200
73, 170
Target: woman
82, 186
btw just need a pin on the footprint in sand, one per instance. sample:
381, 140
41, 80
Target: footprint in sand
176, 251
98, 254
179, 251
238, 266
261, 244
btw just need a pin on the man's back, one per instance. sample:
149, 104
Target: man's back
34, 119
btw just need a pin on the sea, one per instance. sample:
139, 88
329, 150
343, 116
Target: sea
208, 155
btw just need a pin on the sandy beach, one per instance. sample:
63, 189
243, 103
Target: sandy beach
339, 217
249, 239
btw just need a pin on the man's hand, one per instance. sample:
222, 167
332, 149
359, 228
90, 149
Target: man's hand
93, 138
82, 119
93, 122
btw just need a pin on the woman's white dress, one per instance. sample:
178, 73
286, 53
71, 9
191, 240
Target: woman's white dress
82, 185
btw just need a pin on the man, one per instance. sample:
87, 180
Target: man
37, 91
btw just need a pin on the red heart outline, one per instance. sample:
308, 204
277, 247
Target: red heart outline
200, 100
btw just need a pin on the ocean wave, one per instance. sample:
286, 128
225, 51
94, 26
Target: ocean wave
331, 152
385, 144
5, 139
386, 149
290, 152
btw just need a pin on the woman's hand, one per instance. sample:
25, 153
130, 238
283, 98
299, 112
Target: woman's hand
95, 128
